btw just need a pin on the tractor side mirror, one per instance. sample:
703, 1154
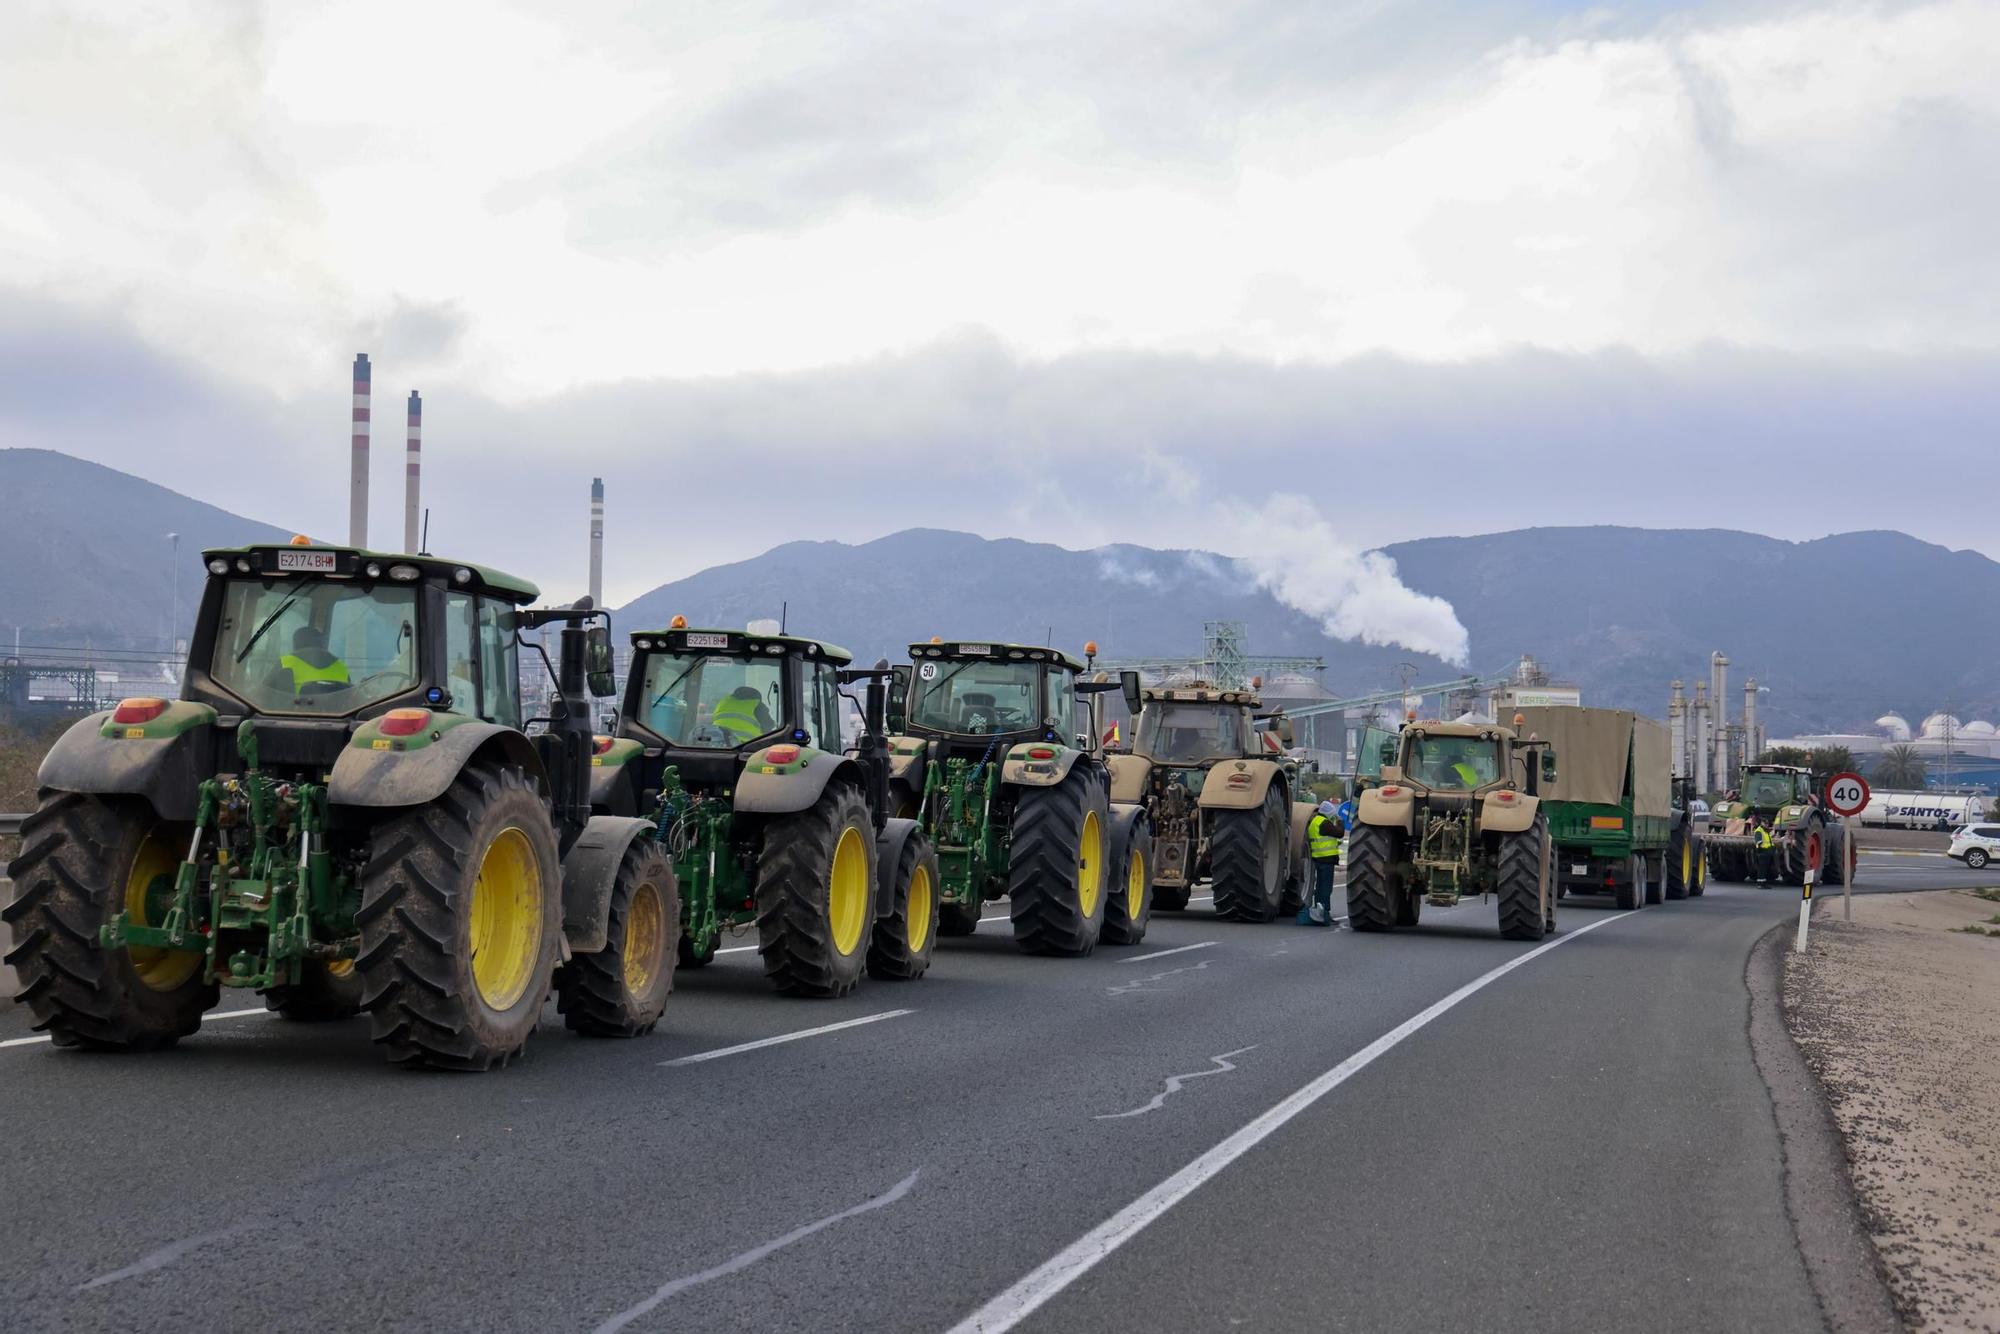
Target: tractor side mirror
899, 698
1548, 764
1283, 727
1387, 753
1128, 681
597, 662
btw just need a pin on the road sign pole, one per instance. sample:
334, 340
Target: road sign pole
1850, 848
1805, 911
1846, 796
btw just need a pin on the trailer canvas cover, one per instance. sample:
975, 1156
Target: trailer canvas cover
1591, 749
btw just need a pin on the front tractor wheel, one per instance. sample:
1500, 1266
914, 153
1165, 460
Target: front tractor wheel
1370, 894
460, 918
1056, 873
621, 991
84, 860
1129, 908
1523, 888
905, 940
816, 895
1248, 849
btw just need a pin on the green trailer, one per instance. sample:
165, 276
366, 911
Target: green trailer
1611, 812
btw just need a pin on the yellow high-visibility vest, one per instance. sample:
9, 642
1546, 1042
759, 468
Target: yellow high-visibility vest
1466, 774
304, 673
738, 717
1319, 842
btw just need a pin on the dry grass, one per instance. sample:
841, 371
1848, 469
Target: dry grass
20, 755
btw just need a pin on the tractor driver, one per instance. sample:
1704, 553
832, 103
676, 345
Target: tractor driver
742, 716
1455, 765
309, 663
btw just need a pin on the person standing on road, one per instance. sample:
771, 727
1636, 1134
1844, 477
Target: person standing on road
1323, 846
1761, 832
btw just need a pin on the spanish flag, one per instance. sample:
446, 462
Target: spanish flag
1111, 735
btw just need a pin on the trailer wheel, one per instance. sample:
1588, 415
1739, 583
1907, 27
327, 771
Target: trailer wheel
816, 895
1369, 894
1630, 892
904, 940
621, 991
1523, 887
1057, 870
1129, 907
1248, 851
85, 859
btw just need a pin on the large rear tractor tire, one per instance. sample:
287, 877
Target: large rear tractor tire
1128, 906
621, 990
1370, 897
1057, 877
327, 990
1838, 860
816, 895
461, 914
1523, 885
905, 940
1805, 851
1680, 863
85, 859
1248, 851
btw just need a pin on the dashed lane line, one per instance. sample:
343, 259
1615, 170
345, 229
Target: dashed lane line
206, 1019
781, 1038
1161, 954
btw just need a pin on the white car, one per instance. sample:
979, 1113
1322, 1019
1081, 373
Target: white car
1976, 844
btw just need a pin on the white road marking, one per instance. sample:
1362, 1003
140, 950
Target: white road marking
736, 949
1175, 1083
1021, 1300
206, 1019
720, 1052
752, 1256
167, 1254
1161, 954
1127, 988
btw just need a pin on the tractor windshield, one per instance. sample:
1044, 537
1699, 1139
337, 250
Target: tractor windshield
1453, 761
315, 645
1189, 732
715, 701
976, 696
1767, 790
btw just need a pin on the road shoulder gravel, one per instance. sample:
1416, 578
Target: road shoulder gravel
1847, 1276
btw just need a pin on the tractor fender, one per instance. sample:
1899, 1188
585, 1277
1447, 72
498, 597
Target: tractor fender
163, 764
1021, 771
1126, 819
907, 757
366, 776
589, 874
610, 793
889, 844
784, 789
1237, 785
1507, 812
1398, 810
1130, 775
1302, 814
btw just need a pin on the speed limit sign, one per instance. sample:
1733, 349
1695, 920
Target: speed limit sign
1847, 794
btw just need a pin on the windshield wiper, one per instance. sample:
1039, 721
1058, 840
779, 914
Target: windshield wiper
270, 620
676, 681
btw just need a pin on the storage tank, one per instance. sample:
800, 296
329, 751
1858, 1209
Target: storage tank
1922, 810
1897, 726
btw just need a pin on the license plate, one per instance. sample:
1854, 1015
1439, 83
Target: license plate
1579, 868
971, 650
707, 641
308, 562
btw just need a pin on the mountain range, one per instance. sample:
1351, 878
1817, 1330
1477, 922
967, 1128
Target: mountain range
1840, 629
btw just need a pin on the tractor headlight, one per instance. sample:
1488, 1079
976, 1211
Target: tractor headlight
242, 565
404, 572
372, 570
218, 566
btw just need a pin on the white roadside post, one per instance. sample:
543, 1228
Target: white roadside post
1805, 911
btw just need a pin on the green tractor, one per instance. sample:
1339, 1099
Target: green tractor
729, 745
1805, 836
344, 812
997, 757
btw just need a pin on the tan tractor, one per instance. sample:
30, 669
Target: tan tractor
1456, 814
1221, 796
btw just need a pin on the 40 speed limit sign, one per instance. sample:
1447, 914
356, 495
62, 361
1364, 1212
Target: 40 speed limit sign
1847, 794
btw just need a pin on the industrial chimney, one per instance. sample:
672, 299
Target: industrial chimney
1751, 746
1701, 750
597, 541
1718, 700
357, 494
1677, 727
413, 469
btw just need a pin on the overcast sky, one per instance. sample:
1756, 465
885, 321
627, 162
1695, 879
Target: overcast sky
1080, 272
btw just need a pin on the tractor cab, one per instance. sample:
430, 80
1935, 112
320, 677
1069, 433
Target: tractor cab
705, 700
1459, 759
983, 697
1771, 787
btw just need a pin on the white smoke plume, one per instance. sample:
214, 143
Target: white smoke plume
1354, 594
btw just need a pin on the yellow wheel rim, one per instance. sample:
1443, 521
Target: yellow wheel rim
506, 920
847, 891
645, 938
1687, 864
918, 913
340, 968
162, 970
1135, 886
1090, 865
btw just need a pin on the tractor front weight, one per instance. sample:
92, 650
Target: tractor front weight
258, 893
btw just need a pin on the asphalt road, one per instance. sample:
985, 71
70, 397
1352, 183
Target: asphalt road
1272, 1126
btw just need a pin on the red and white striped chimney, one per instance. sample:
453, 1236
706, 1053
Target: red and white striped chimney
357, 495
412, 461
